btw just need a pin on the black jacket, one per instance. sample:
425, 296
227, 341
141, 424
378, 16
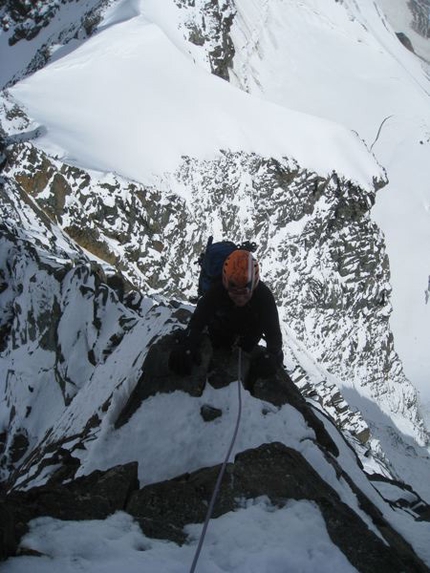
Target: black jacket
227, 322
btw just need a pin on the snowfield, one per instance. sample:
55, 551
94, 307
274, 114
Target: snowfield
129, 101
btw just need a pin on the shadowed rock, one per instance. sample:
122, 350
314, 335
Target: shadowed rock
209, 413
95, 496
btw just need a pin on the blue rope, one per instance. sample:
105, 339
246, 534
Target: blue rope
222, 471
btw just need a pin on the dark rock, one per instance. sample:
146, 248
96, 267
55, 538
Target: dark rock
402, 495
209, 413
213, 28
224, 367
69, 465
182, 315
3, 440
276, 471
19, 446
163, 509
8, 535
405, 41
158, 378
424, 514
95, 496
420, 17
116, 282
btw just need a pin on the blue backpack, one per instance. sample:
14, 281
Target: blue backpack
211, 261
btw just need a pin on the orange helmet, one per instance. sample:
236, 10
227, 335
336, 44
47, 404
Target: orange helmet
240, 271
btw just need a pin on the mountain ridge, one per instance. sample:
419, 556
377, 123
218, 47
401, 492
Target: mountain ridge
96, 268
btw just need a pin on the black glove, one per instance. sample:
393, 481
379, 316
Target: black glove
181, 360
265, 365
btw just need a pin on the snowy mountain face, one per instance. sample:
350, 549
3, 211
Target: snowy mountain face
152, 125
410, 20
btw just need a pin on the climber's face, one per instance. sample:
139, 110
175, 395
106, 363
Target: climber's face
240, 296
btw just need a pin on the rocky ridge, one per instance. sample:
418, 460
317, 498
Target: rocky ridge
420, 10
207, 23
335, 287
337, 272
110, 389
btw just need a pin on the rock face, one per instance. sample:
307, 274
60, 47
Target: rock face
420, 13
94, 497
54, 306
405, 41
343, 300
281, 474
25, 20
207, 24
90, 360
318, 247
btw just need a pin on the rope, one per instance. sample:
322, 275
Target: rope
379, 131
222, 470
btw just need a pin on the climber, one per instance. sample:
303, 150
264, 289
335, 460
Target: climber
239, 310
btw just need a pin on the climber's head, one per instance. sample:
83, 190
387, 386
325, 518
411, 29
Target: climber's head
240, 276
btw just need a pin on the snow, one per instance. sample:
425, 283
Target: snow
399, 16
20, 55
406, 199
167, 435
174, 439
103, 114
184, 110
255, 538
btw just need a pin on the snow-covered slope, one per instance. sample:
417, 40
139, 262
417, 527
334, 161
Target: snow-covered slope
103, 113
128, 100
32, 31
411, 18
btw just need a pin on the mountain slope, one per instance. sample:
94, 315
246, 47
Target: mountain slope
64, 423
364, 79
412, 20
155, 126
110, 189
31, 31
182, 111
